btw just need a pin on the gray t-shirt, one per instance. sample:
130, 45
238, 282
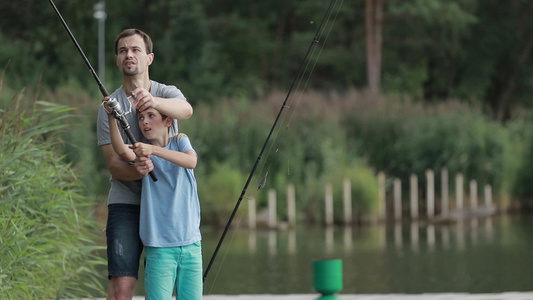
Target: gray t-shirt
129, 192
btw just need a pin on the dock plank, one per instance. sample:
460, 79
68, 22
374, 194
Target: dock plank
429, 296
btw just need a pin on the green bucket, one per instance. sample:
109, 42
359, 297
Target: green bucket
327, 276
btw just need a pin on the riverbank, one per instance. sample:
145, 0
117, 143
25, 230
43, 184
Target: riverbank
429, 296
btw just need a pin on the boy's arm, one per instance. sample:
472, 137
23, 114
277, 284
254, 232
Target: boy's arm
121, 169
187, 159
118, 144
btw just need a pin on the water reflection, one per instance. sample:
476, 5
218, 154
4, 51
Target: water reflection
272, 242
398, 240
445, 231
431, 236
347, 238
483, 256
252, 241
291, 248
329, 240
415, 234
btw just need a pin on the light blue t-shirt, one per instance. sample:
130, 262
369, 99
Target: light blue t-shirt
170, 208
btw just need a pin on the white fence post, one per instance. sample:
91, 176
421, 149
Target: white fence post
382, 208
291, 205
444, 189
430, 177
347, 200
329, 205
272, 217
397, 199
252, 216
473, 194
413, 183
459, 191
488, 195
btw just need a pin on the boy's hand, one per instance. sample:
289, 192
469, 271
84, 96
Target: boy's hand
142, 149
104, 102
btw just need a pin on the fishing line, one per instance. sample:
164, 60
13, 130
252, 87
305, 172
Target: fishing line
316, 60
296, 83
320, 32
298, 99
287, 104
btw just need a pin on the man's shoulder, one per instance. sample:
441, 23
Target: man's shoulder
116, 94
166, 91
158, 86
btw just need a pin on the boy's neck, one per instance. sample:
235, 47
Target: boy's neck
161, 141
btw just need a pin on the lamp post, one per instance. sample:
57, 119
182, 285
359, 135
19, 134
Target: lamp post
100, 15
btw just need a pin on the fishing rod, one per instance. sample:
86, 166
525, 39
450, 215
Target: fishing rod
113, 103
263, 181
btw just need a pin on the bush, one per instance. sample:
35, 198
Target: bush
219, 191
364, 192
409, 139
47, 242
521, 162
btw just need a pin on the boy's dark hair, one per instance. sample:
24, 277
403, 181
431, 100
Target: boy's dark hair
133, 31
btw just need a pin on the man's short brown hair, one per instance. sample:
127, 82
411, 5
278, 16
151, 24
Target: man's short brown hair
133, 31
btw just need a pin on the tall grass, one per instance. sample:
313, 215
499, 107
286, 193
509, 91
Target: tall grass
47, 240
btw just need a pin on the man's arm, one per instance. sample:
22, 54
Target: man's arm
173, 107
121, 169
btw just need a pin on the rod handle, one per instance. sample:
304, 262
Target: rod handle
132, 139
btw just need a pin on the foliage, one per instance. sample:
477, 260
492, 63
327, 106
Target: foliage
47, 243
79, 144
433, 50
219, 191
522, 133
306, 144
409, 139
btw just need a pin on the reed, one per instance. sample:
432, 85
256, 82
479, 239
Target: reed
47, 240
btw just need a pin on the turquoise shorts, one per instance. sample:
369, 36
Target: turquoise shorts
173, 268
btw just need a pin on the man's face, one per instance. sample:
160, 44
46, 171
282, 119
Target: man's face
132, 58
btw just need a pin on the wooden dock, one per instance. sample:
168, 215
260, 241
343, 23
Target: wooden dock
429, 296
443, 296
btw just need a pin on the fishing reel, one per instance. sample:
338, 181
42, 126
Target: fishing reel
115, 107
118, 112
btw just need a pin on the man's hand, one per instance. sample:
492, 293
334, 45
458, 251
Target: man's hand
142, 99
143, 165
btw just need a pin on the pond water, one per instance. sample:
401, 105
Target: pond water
486, 255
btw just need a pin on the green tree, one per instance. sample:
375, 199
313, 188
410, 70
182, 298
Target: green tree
425, 46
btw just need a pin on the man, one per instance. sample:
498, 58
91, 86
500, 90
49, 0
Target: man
134, 54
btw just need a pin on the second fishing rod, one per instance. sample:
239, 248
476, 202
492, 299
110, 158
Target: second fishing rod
262, 184
114, 105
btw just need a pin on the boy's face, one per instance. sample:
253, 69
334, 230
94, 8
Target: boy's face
131, 57
152, 124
